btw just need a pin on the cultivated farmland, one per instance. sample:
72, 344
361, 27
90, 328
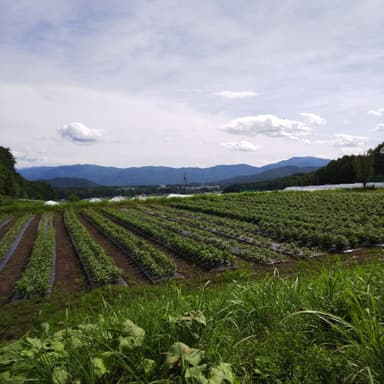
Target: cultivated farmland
263, 287
141, 243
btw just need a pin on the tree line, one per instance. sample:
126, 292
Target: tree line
13, 185
345, 170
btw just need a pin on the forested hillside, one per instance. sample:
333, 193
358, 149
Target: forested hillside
346, 169
12, 184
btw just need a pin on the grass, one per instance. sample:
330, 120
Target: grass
323, 327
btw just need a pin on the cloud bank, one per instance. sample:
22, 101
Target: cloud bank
79, 133
342, 140
313, 119
236, 94
267, 125
377, 112
242, 146
349, 144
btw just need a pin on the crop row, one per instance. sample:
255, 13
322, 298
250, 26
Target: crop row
325, 219
4, 220
203, 254
10, 236
37, 277
246, 251
99, 267
231, 228
152, 260
235, 229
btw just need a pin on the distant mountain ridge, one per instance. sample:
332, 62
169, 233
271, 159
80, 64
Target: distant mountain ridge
269, 174
157, 175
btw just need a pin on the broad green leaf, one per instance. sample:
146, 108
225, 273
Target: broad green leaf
132, 336
196, 374
221, 374
60, 376
34, 342
149, 366
131, 329
126, 344
180, 353
99, 367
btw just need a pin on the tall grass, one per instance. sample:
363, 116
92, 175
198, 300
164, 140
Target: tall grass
325, 328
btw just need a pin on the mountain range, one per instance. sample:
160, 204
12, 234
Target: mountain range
158, 175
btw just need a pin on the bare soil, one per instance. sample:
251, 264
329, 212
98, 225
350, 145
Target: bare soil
69, 273
16, 264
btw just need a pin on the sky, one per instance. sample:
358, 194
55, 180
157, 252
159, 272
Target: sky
189, 83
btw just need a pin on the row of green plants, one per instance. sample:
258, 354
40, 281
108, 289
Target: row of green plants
3, 219
235, 229
196, 251
329, 220
191, 229
11, 235
37, 277
99, 267
155, 262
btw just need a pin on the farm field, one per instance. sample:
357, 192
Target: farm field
82, 248
156, 241
193, 249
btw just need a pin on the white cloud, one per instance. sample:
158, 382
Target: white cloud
377, 112
267, 125
139, 88
79, 133
242, 146
236, 94
342, 140
313, 119
379, 127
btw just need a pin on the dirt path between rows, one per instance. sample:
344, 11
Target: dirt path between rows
131, 272
69, 272
16, 264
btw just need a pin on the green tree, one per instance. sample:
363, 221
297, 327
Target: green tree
363, 165
12, 184
73, 197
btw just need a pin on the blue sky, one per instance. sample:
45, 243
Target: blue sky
189, 83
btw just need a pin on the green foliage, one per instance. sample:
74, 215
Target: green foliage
11, 235
323, 328
100, 268
204, 254
12, 184
363, 165
36, 278
327, 219
73, 198
155, 262
100, 352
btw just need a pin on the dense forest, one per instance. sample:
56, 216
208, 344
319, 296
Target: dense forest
347, 169
13, 185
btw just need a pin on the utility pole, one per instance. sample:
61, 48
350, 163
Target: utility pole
185, 182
